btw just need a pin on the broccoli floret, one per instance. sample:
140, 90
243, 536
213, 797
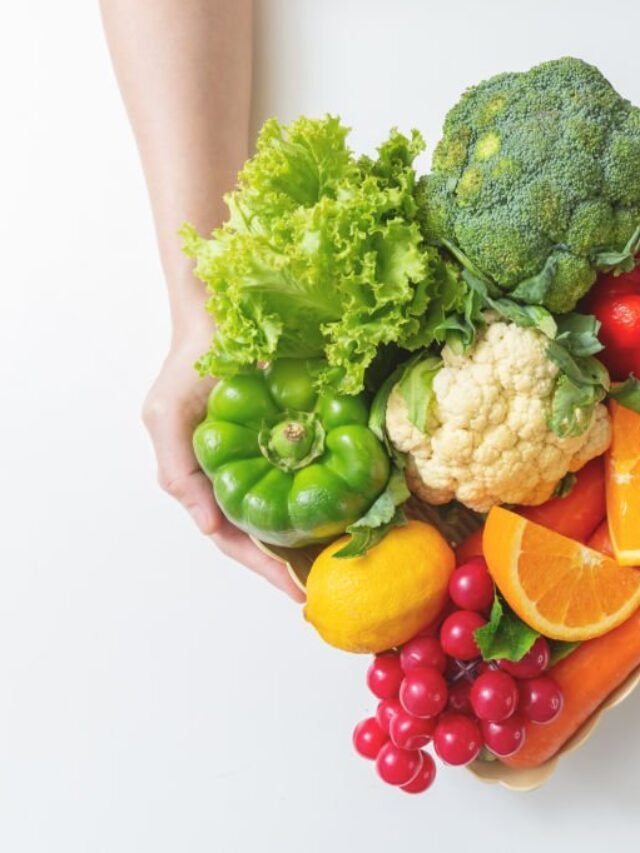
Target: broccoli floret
538, 164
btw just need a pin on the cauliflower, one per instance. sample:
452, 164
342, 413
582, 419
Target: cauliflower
486, 440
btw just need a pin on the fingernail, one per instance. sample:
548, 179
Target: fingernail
199, 516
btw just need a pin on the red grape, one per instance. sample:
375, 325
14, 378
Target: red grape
409, 732
398, 766
484, 666
385, 712
456, 634
385, 675
423, 651
532, 664
423, 692
459, 697
494, 696
504, 738
541, 699
457, 739
368, 738
425, 777
471, 585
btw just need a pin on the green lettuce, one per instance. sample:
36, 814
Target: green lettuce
321, 256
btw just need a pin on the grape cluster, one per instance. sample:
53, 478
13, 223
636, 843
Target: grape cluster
437, 690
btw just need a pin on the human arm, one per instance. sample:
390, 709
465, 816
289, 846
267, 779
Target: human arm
184, 69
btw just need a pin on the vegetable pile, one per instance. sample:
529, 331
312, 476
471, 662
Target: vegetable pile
434, 379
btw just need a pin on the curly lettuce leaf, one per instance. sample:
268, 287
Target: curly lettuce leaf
321, 256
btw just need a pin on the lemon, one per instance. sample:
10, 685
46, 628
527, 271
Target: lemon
382, 599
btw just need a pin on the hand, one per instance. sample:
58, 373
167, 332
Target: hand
174, 406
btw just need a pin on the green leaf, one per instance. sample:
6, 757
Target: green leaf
565, 486
578, 334
364, 538
582, 371
534, 290
627, 394
560, 650
383, 515
378, 410
572, 406
471, 268
505, 635
527, 316
416, 388
609, 260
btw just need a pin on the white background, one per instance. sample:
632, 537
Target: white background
155, 697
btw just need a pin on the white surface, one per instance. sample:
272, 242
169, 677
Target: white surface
153, 696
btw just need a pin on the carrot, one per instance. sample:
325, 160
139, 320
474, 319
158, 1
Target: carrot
577, 515
601, 541
470, 547
587, 677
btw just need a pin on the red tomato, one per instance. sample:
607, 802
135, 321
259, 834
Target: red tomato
619, 314
615, 301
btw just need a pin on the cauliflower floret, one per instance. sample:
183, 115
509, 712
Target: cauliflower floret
488, 441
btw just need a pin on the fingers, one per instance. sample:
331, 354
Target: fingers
174, 407
179, 475
239, 547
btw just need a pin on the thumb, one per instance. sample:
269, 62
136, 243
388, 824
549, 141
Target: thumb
178, 471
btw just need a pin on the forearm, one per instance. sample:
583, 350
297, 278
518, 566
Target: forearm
184, 69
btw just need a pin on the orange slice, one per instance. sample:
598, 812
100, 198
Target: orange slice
558, 586
623, 485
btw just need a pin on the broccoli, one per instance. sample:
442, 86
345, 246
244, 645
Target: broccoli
537, 180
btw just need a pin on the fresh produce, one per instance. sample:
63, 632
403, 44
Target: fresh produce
321, 256
558, 587
537, 181
505, 738
457, 635
457, 740
422, 651
382, 599
586, 678
615, 301
601, 540
623, 486
471, 586
578, 513
391, 347
423, 692
289, 465
476, 427
532, 664
410, 732
541, 700
424, 779
369, 738
398, 766
494, 696
384, 676
457, 705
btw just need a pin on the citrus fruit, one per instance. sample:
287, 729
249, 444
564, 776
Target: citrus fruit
558, 586
623, 485
382, 599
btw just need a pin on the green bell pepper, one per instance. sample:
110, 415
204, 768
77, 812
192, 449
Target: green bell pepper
288, 465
